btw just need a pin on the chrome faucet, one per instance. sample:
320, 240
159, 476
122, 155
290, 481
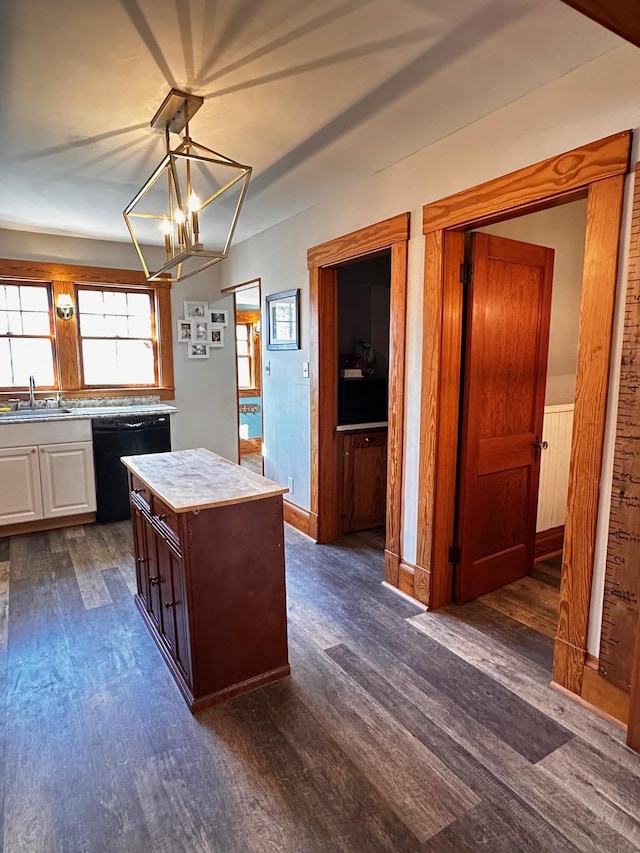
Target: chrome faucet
32, 388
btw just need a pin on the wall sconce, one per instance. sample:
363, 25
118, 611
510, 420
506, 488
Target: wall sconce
64, 306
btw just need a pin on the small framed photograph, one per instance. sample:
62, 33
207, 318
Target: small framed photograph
200, 333
198, 350
195, 310
220, 318
184, 331
283, 320
216, 336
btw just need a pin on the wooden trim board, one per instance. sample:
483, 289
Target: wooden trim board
296, 516
549, 542
598, 170
323, 260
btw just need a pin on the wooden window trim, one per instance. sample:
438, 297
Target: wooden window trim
598, 171
16, 391
63, 278
251, 319
322, 261
154, 330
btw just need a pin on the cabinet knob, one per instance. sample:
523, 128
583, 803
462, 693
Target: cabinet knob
169, 604
154, 581
33, 449
140, 560
367, 440
138, 491
161, 517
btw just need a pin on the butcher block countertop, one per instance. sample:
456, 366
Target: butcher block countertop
199, 479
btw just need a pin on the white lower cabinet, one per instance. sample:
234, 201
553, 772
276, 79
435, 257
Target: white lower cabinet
67, 478
20, 491
46, 471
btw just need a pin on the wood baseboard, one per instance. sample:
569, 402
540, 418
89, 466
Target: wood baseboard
406, 578
47, 524
391, 568
297, 517
549, 542
605, 697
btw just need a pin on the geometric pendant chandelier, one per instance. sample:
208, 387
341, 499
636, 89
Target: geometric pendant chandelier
191, 203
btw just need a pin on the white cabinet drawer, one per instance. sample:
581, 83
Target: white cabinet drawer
20, 492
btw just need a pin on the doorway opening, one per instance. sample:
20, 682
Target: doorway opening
596, 171
247, 332
362, 377
324, 261
519, 364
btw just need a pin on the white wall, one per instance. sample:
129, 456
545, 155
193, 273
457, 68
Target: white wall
206, 401
562, 229
596, 100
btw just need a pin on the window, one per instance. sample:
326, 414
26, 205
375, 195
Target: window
248, 351
117, 337
26, 335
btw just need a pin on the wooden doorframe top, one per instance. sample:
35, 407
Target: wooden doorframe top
596, 170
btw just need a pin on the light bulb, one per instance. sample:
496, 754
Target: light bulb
194, 203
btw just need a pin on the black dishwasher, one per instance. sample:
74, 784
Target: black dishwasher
123, 436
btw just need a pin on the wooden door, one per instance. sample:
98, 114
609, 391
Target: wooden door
507, 336
152, 573
140, 550
364, 480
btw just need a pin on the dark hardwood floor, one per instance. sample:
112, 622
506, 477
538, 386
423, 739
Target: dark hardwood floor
398, 730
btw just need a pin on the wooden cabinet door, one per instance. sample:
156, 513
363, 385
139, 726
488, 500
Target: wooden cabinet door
174, 605
365, 480
509, 307
152, 578
21, 493
140, 551
68, 484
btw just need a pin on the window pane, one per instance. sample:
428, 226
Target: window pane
122, 362
23, 357
243, 347
116, 327
242, 333
140, 327
34, 299
244, 373
35, 323
92, 325
12, 297
115, 303
139, 304
90, 302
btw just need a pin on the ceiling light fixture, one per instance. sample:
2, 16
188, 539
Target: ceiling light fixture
191, 203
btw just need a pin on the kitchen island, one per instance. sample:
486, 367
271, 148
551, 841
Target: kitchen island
209, 547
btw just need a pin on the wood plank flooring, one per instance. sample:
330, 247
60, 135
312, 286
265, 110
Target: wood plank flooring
398, 730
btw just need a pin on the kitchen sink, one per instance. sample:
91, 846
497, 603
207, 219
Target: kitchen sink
32, 414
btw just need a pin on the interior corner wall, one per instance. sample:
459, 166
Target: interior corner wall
206, 401
596, 100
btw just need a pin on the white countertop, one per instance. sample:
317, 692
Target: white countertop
353, 427
91, 412
199, 479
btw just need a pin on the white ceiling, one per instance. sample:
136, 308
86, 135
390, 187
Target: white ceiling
316, 95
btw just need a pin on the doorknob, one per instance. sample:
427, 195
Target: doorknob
540, 445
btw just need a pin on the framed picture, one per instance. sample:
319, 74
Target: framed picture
184, 331
198, 350
216, 336
200, 333
283, 320
220, 318
195, 310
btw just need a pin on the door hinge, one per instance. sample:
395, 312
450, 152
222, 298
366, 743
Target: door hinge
466, 273
455, 554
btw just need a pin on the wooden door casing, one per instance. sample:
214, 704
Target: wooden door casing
509, 309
